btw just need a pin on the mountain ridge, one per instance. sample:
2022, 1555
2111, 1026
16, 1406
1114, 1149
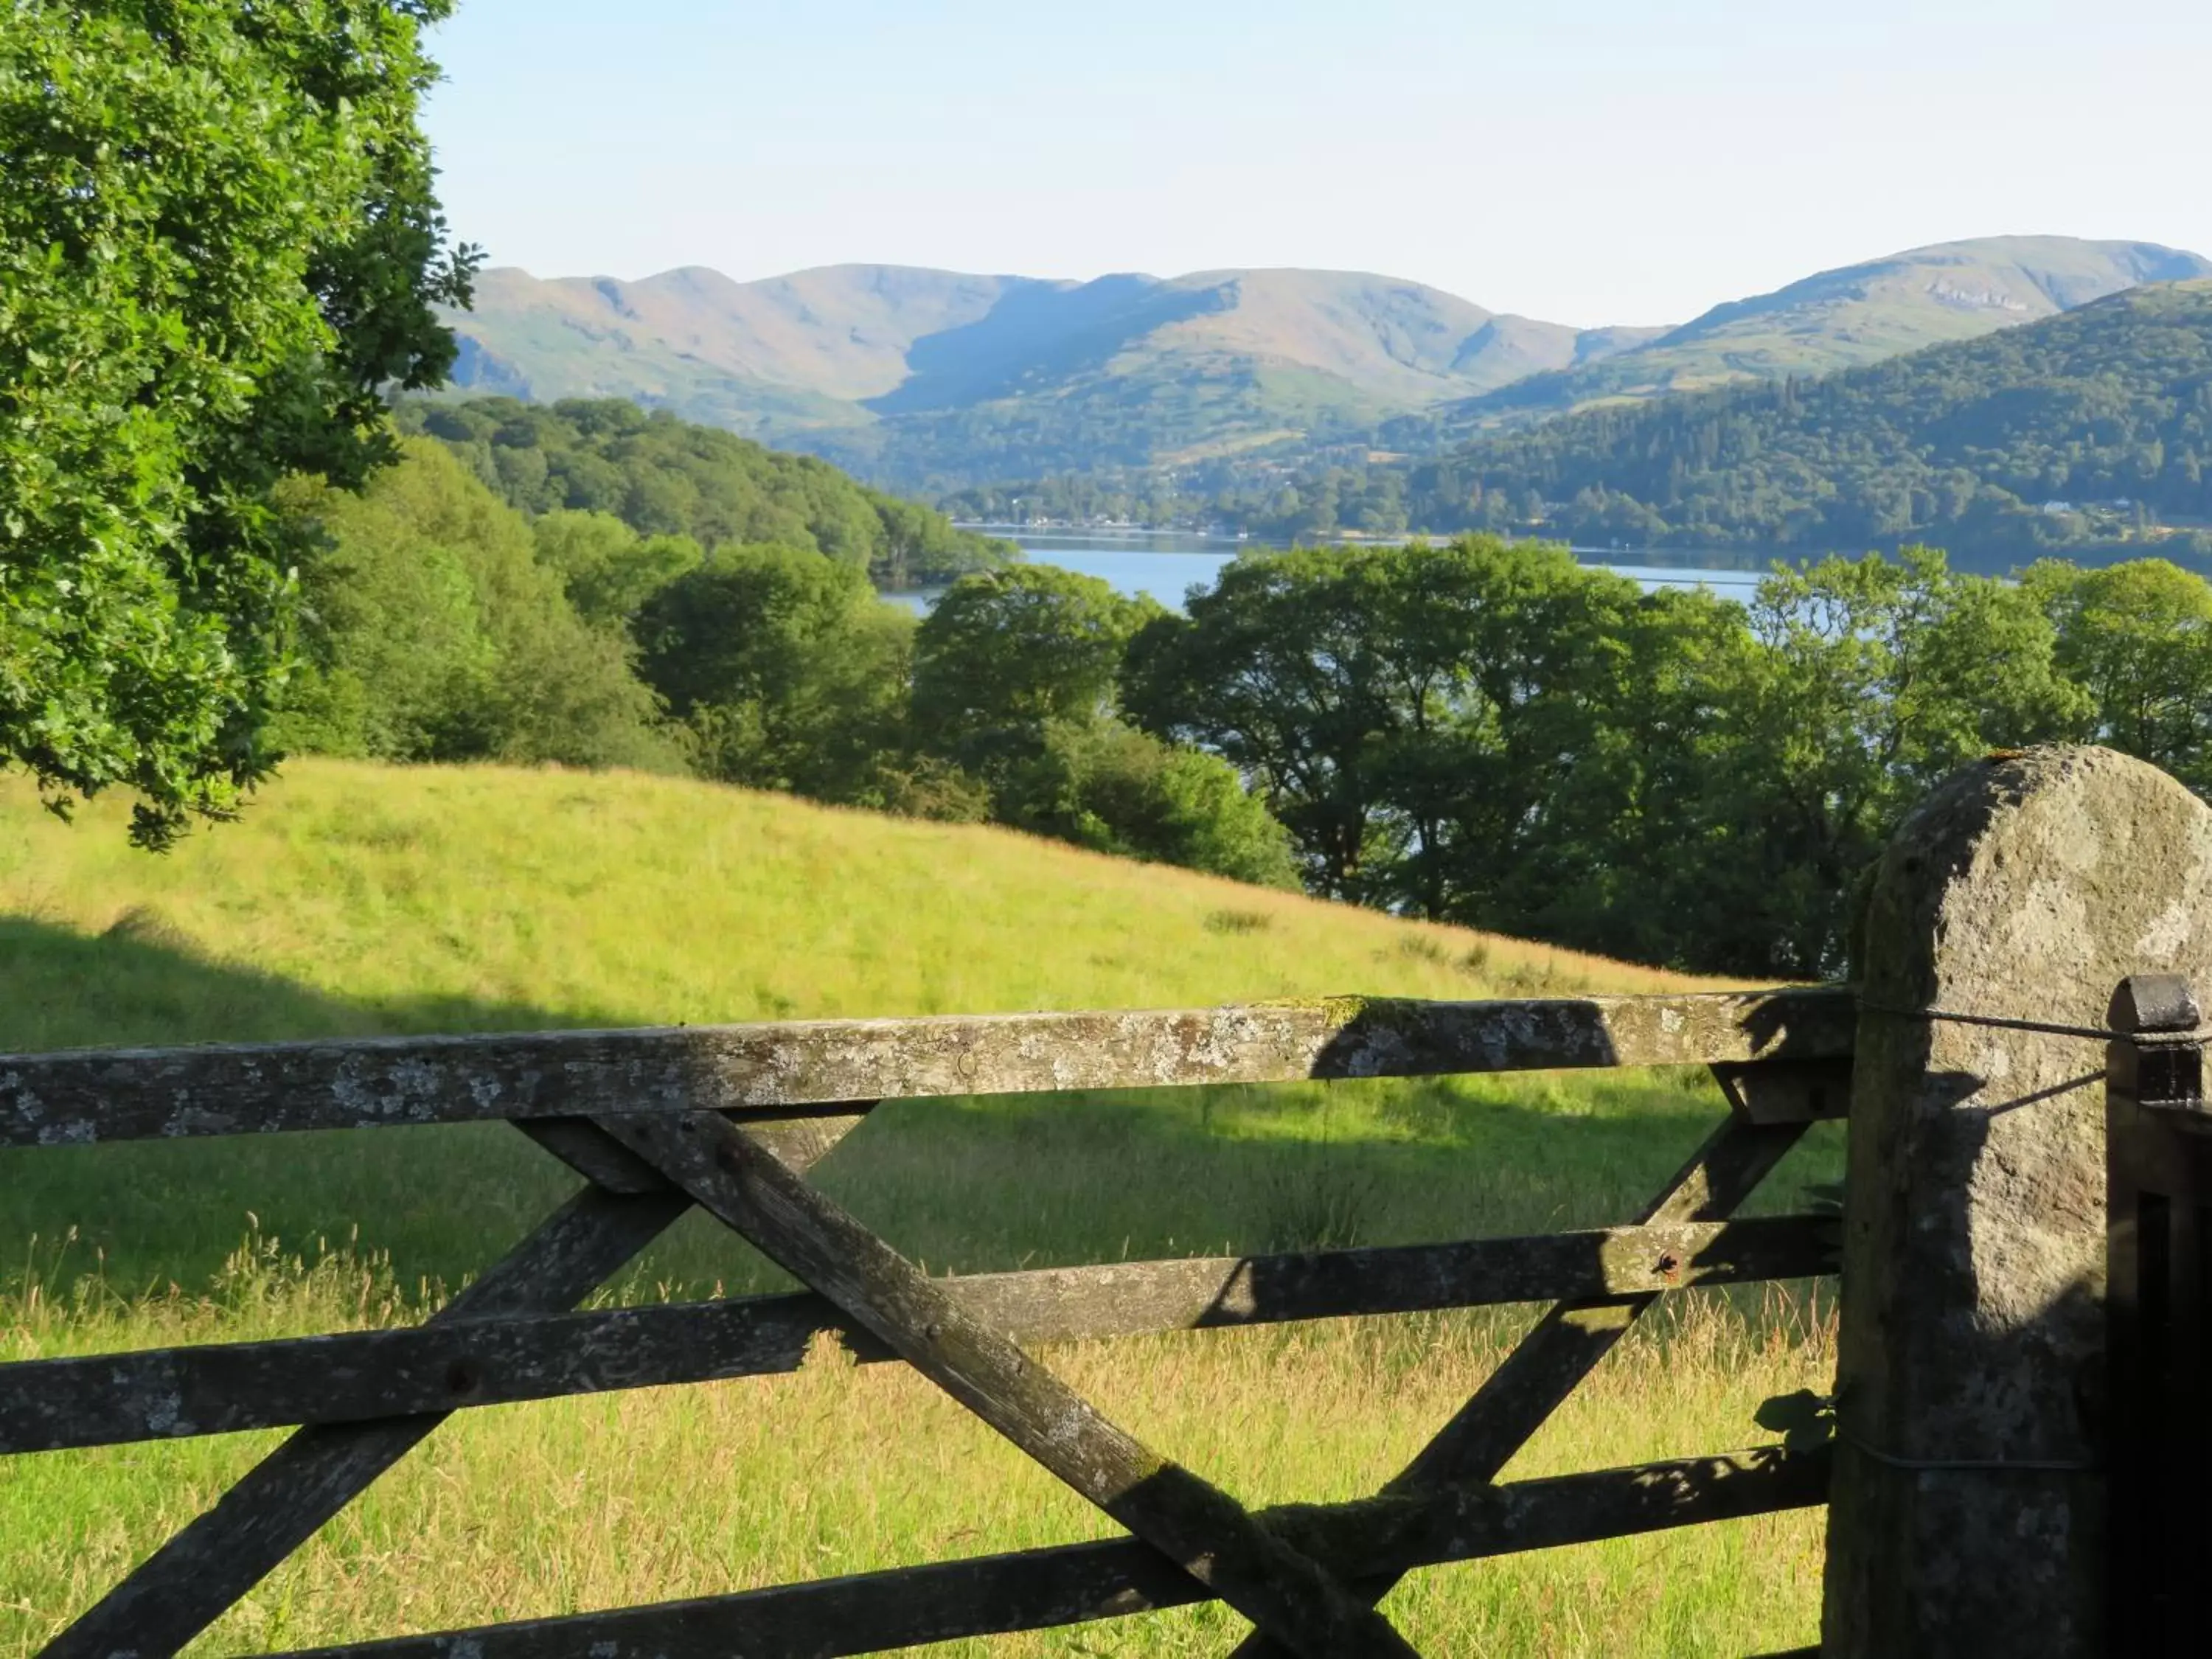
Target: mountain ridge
867, 319
919, 378
1854, 315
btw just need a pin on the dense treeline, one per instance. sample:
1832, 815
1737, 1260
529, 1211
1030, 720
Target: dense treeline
2090, 429
440, 623
662, 475
1313, 503
1490, 732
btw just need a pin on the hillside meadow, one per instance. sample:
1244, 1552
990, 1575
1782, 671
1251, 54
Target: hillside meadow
354, 899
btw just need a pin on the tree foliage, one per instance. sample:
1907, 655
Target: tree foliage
441, 623
1867, 682
788, 670
1105, 785
1017, 677
608, 571
1013, 649
218, 241
1489, 732
2136, 638
665, 476
434, 630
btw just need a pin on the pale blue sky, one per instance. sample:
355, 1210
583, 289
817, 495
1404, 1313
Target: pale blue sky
1593, 162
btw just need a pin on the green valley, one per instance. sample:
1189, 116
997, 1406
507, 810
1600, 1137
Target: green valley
400, 655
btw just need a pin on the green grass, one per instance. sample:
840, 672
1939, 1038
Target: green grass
359, 899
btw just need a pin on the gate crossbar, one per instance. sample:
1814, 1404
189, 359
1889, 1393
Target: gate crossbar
1078, 1583
165, 1394
218, 1089
1567, 1342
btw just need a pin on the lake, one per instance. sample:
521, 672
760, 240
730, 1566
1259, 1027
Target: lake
1167, 564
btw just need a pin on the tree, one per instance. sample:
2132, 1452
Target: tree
1620, 856
1016, 677
1874, 679
789, 670
1276, 669
218, 244
432, 632
608, 568
2138, 637
1106, 786
1490, 733
1411, 711
1005, 650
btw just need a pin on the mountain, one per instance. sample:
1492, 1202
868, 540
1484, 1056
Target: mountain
923, 379
1859, 314
806, 347
2088, 431
910, 373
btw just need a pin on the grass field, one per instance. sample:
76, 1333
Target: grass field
356, 899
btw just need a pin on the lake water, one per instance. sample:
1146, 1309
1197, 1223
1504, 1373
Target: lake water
1166, 565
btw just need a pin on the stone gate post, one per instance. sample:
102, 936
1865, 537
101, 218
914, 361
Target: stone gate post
1967, 1513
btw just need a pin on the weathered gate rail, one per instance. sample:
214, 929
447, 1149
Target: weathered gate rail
728, 1119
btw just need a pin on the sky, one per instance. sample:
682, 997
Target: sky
1598, 161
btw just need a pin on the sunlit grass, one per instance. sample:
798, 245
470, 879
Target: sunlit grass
355, 899
477, 897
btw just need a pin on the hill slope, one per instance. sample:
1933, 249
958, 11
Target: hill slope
1858, 314
2082, 430
947, 360
801, 349
357, 898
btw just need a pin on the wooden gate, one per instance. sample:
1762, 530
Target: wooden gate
728, 1119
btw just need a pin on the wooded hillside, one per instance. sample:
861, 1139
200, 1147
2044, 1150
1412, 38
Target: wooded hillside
665, 476
2090, 429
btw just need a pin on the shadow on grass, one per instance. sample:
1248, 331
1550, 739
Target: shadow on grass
147, 1214
975, 1185
143, 983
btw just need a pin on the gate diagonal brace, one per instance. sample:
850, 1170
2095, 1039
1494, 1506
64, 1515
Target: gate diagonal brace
1202, 1529
282, 1501
1567, 1342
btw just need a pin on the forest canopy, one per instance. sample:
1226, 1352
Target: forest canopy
662, 475
1490, 732
442, 623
